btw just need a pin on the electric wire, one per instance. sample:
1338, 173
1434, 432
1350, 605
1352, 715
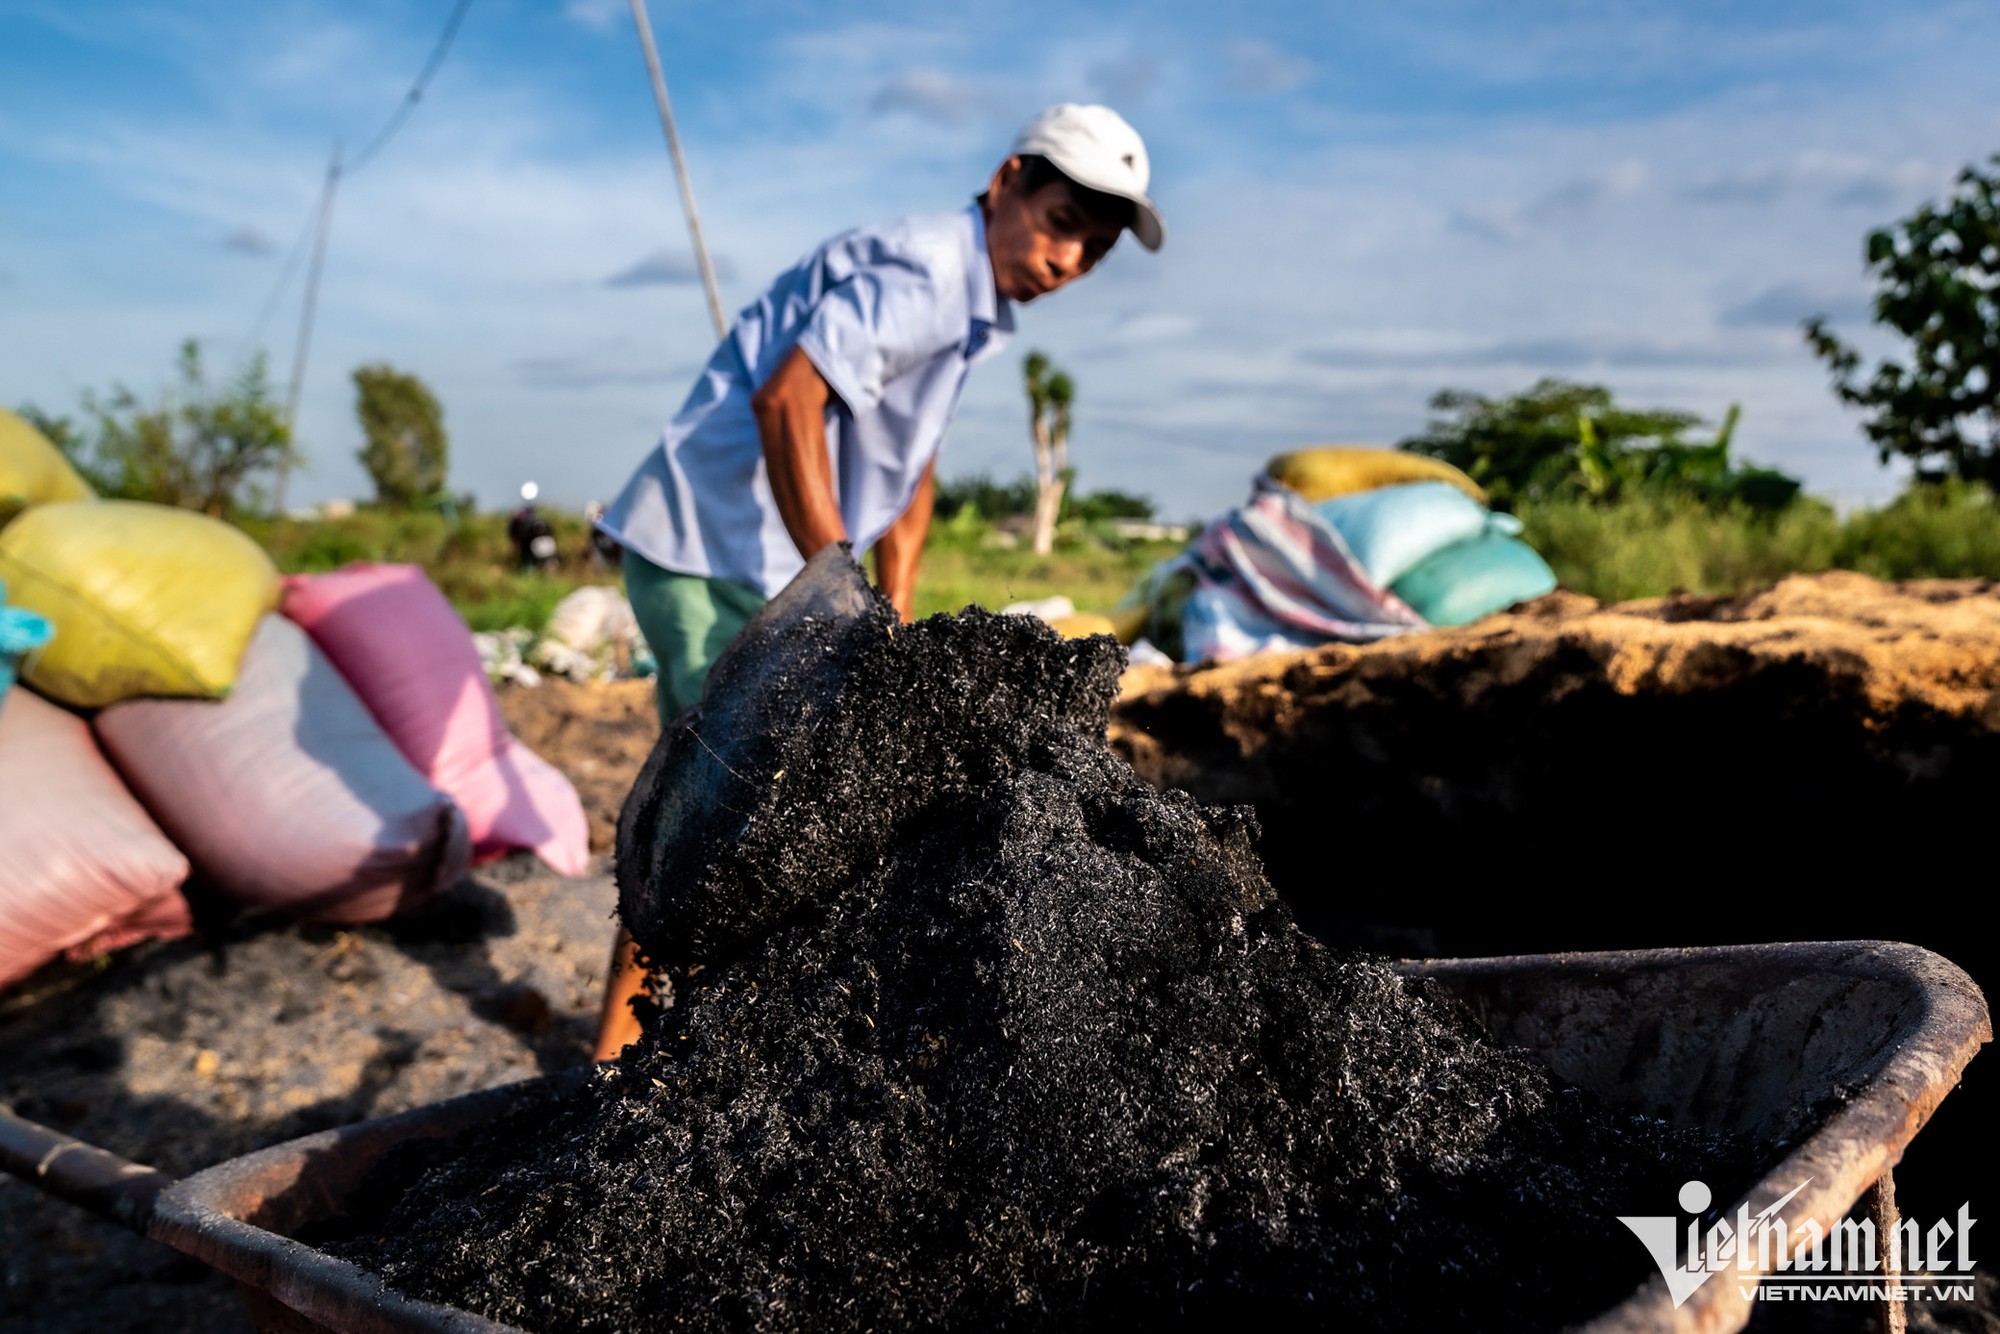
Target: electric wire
416, 93
375, 146
270, 307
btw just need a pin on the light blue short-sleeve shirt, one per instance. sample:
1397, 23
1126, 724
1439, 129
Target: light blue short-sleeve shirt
892, 317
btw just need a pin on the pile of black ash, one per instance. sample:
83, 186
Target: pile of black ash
977, 1030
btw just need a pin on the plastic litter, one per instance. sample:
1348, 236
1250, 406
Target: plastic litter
591, 635
1044, 609
503, 654
20, 632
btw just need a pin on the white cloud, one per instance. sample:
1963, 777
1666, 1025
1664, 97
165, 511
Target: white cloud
668, 268
1322, 293
597, 14
1158, 326
928, 93
248, 240
1253, 65
1566, 203
1128, 78
1787, 304
1831, 178
1554, 355
598, 372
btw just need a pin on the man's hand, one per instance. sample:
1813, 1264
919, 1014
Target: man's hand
790, 409
897, 552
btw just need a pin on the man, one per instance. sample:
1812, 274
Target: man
820, 416
534, 541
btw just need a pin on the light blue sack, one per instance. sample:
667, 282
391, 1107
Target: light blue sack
1393, 529
1473, 579
20, 632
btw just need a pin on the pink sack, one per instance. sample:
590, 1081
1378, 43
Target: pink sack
411, 659
287, 795
86, 869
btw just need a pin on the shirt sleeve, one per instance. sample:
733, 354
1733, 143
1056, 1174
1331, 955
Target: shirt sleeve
880, 322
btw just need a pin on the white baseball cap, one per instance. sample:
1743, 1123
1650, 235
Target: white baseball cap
1093, 146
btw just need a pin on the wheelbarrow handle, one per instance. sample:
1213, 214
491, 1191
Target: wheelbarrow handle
87, 1176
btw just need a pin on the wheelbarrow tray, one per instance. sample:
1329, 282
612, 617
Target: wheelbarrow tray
1759, 1040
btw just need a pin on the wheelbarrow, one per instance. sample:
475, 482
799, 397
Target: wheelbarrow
1760, 1040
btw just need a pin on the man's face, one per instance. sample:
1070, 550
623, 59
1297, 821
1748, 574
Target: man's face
1041, 241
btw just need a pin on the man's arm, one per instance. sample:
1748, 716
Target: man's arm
898, 550
790, 409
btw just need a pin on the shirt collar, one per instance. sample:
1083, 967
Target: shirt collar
983, 299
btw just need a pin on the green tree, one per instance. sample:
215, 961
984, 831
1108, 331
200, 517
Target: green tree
1937, 284
1566, 439
1109, 504
987, 498
200, 446
1050, 394
407, 453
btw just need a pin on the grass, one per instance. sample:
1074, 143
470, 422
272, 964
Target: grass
963, 564
1651, 547
469, 558
1933, 532
1647, 548
1644, 547
472, 561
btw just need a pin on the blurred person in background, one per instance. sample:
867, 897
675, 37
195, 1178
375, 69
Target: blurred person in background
534, 541
603, 548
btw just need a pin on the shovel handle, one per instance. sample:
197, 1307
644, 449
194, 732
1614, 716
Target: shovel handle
87, 1176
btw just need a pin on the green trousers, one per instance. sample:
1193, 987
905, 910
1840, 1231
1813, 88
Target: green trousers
687, 619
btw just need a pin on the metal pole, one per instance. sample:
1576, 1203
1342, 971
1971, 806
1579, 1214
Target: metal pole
680, 165
306, 326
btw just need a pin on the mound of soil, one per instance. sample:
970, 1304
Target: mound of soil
1809, 762
1654, 733
975, 1029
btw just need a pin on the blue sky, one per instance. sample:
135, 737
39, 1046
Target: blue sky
1366, 203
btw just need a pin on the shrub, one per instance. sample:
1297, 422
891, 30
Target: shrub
1653, 545
1949, 530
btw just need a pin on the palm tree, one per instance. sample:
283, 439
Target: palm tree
1050, 394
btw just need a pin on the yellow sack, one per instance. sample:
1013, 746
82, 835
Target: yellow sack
146, 600
33, 471
1129, 623
1326, 471
1082, 624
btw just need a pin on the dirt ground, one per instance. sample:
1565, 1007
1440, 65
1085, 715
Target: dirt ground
598, 734
186, 1053
183, 1054
1829, 725
1816, 761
